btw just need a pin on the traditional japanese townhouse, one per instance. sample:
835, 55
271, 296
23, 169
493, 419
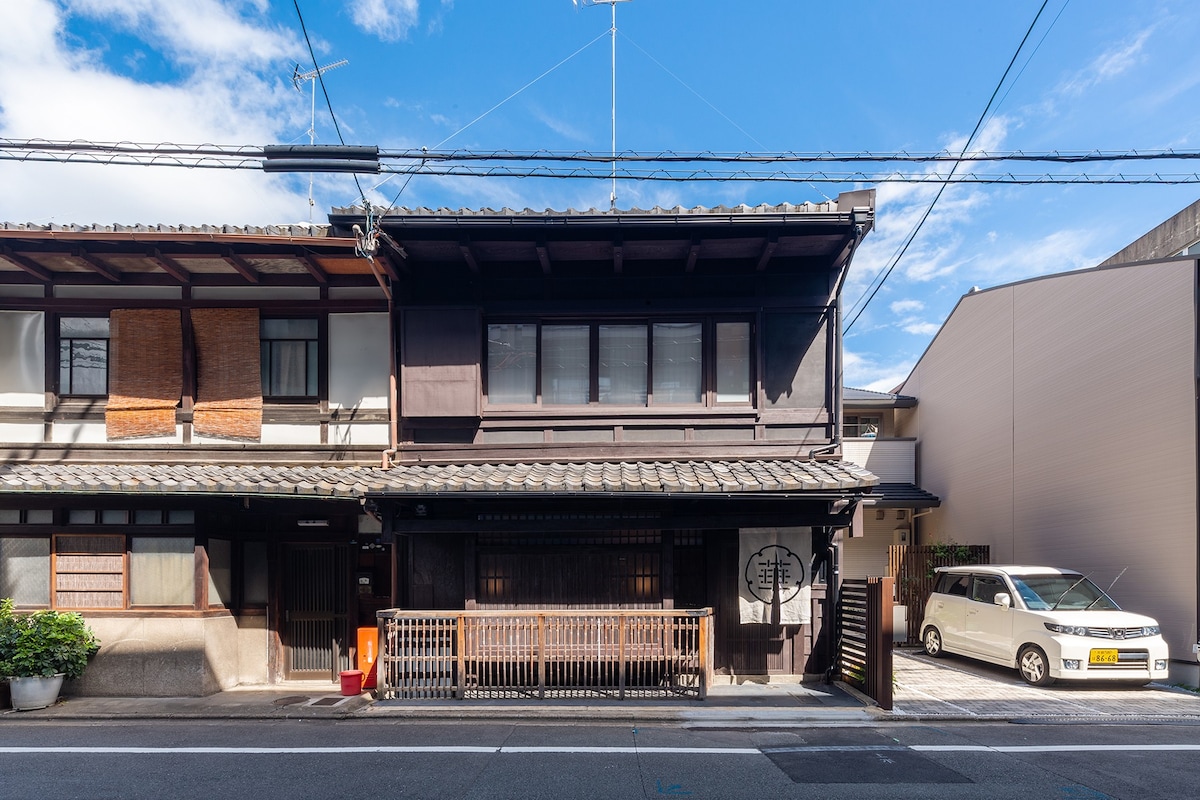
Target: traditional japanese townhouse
231, 447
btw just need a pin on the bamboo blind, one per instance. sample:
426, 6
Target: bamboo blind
145, 372
229, 381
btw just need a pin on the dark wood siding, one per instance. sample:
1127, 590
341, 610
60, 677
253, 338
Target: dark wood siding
440, 375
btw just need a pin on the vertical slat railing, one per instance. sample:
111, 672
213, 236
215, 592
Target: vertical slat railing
466, 654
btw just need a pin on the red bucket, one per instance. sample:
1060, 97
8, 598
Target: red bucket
352, 682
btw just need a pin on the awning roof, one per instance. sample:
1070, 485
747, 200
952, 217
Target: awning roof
902, 495
658, 478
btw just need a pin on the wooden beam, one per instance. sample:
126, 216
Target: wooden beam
543, 255
243, 267
313, 268
29, 266
170, 266
97, 266
767, 251
693, 254
618, 256
396, 260
469, 255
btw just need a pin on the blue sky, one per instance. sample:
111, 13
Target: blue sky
721, 75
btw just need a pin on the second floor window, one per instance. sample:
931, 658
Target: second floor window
83, 356
633, 364
289, 357
862, 426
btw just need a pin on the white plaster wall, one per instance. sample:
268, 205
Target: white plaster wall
21, 433
359, 434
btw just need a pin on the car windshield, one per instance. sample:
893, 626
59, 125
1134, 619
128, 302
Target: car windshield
1072, 591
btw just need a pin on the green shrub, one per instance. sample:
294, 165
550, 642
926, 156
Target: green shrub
43, 643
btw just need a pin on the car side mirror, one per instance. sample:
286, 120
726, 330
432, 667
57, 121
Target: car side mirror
1002, 599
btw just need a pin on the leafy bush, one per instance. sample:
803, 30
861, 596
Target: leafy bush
44, 643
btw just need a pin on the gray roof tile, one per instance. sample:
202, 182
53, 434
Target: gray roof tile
639, 477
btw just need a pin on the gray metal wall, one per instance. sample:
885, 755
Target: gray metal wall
1057, 422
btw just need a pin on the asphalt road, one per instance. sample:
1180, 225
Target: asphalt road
381, 759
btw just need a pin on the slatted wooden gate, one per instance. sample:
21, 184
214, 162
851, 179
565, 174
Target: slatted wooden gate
496, 654
865, 637
316, 600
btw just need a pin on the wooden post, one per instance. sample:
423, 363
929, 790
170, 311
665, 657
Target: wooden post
460, 680
879, 640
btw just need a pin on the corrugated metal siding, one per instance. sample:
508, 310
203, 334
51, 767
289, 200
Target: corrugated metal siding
1105, 434
1057, 424
965, 404
891, 460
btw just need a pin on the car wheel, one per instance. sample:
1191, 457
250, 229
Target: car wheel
933, 642
1034, 666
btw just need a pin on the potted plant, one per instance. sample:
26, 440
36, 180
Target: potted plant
40, 649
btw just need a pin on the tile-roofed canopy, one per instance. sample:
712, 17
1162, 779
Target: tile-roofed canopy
737, 239
657, 478
703, 240
902, 495
107, 255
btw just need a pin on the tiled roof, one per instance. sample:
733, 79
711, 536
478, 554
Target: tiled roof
658, 477
292, 230
829, 206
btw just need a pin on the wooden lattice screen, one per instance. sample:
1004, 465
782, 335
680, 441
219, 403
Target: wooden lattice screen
228, 378
145, 372
914, 567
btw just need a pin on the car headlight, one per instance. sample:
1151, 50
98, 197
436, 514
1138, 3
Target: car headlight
1070, 630
1151, 630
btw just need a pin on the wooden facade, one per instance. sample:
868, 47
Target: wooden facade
513, 412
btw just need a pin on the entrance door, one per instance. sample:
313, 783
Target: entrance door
316, 600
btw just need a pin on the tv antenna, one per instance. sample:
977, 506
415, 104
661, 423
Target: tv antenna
311, 76
612, 198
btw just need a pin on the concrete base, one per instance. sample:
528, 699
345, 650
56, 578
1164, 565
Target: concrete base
162, 657
1185, 673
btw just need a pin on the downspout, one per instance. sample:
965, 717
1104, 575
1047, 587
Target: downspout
835, 356
393, 392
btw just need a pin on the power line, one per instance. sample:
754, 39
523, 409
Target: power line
942, 188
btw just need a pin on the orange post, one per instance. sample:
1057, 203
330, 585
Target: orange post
368, 652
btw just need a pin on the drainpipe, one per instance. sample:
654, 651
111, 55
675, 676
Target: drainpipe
393, 392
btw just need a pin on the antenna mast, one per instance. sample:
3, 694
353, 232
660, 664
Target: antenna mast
612, 198
311, 76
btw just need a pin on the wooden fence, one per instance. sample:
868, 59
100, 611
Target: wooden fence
499, 654
865, 637
914, 567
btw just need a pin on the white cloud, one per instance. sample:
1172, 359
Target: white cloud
390, 20
922, 328
222, 89
906, 306
1108, 65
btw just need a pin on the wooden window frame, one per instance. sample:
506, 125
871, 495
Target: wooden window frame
319, 341
56, 355
708, 366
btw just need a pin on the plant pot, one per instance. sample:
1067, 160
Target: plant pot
33, 693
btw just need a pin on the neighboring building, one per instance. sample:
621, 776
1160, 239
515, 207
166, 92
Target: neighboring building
1057, 421
230, 447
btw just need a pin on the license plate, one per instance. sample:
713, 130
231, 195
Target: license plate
1103, 657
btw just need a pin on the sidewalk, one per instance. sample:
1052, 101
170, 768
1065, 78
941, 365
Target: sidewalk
951, 689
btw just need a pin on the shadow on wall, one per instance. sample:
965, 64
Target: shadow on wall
160, 657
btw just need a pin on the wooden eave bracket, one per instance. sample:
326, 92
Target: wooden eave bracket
23, 263
618, 255
768, 250
240, 265
97, 266
693, 254
313, 268
171, 266
469, 255
396, 259
543, 254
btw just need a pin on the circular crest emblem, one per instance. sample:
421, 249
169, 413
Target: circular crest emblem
773, 568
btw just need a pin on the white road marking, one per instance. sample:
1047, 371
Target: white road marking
621, 750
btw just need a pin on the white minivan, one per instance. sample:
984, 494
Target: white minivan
1047, 623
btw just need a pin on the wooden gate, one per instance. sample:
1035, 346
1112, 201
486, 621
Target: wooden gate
865, 637
316, 594
914, 567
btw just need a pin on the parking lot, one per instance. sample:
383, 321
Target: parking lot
960, 687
